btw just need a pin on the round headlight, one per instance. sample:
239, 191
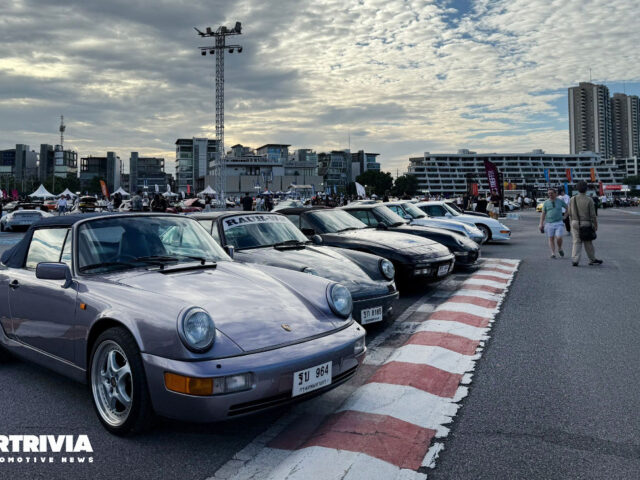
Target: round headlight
197, 330
339, 299
310, 271
386, 267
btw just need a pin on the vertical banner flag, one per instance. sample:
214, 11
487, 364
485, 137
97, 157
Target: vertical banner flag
105, 190
14, 194
157, 188
568, 173
593, 174
188, 189
474, 189
566, 188
492, 176
546, 175
601, 189
360, 190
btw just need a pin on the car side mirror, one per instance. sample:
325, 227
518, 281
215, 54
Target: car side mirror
317, 239
54, 271
230, 249
309, 232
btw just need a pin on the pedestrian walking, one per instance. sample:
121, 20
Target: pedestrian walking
136, 202
567, 223
551, 221
62, 205
584, 223
247, 202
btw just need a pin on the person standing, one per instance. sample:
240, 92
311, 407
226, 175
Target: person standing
582, 213
551, 221
567, 224
247, 202
136, 202
62, 205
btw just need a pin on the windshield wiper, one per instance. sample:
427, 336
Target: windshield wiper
162, 259
397, 224
347, 229
106, 264
289, 243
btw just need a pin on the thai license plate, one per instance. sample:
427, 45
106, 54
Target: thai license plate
370, 315
311, 379
443, 270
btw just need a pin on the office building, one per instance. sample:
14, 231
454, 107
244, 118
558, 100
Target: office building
450, 174
55, 161
195, 159
146, 172
590, 120
107, 168
625, 122
362, 162
335, 169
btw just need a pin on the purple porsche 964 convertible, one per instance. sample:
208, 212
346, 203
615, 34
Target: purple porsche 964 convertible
156, 318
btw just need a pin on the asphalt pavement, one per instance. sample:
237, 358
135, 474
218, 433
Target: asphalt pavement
556, 393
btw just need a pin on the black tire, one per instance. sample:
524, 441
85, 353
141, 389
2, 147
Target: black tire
485, 231
141, 415
5, 356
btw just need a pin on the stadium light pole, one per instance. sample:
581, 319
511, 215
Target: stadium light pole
219, 48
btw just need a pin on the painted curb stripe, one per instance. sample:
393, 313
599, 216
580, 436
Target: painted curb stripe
423, 377
486, 283
492, 278
442, 358
478, 302
482, 287
494, 273
387, 438
426, 411
450, 306
470, 292
462, 317
497, 270
454, 328
459, 344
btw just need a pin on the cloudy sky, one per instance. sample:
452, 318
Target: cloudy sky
400, 77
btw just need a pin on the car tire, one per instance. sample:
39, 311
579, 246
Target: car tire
109, 380
5, 356
486, 233
1, 227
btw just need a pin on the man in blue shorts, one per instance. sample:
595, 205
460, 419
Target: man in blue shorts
551, 221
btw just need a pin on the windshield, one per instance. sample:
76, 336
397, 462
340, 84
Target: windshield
388, 216
412, 210
455, 207
252, 231
331, 221
450, 210
119, 243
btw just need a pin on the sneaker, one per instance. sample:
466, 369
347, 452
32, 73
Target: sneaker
595, 262
575, 264
553, 256
561, 252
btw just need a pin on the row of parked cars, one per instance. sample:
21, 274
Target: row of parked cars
214, 315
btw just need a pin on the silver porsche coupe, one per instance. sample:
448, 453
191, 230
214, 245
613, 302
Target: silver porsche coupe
155, 317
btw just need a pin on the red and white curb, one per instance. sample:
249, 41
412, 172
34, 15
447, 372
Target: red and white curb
392, 426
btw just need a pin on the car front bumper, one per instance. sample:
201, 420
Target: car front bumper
467, 258
500, 235
272, 370
427, 269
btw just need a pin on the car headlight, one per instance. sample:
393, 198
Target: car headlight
197, 330
387, 269
339, 299
310, 271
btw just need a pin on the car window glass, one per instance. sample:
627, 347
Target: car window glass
295, 219
206, 224
250, 231
304, 223
435, 210
362, 215
214, 232
46, 246
396, 209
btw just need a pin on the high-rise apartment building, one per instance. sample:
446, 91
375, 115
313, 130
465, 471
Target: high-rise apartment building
55, 160
590, 119
146, 172
107, 168
195, 158
625, 125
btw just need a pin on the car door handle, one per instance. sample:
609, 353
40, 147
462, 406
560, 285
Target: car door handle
14, 284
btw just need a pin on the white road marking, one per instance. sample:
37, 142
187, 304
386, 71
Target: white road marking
442, 358
488, 283
467, 308
506, 276
479, 294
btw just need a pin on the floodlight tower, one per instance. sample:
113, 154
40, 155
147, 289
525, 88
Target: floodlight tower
220, 46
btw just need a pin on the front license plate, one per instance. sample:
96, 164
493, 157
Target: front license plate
370, 315
443, 270
311, 379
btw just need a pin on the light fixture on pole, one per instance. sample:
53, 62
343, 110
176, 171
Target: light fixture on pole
220, 46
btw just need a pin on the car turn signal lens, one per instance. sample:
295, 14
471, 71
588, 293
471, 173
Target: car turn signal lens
188, 385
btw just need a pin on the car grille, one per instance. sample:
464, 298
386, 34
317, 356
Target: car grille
284, 398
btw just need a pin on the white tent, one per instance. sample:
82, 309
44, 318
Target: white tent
42, 192
170, 194
69, 193
208, 191
122, 192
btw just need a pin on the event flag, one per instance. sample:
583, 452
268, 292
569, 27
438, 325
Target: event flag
492, 176
593, 174
568, 173
566, 188
105, 190
546, 175
360, 190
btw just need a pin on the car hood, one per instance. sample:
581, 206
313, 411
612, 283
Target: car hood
405, 243
324, 260
437, 222
247, 304
470, 219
